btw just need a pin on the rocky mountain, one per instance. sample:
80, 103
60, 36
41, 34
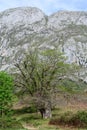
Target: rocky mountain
25, 26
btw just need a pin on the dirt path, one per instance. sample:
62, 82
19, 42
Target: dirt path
27, 126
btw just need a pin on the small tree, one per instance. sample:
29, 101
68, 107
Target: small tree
39, 74
6, 97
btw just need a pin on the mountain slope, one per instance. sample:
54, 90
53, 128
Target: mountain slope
21, 27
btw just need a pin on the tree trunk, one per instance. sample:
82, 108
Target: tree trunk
45, 113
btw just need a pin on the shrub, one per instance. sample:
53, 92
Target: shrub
9, 123
6, 98
78, 119
30, 109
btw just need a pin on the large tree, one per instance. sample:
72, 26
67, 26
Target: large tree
39, 74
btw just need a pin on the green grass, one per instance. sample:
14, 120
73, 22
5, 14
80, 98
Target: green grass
77, 120
35, 120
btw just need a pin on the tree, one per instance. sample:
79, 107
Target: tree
6, 96
39, 74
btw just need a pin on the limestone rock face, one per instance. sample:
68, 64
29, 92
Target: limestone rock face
17, 30
25, 26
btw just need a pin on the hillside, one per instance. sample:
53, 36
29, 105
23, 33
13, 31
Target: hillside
45, 93
25, 26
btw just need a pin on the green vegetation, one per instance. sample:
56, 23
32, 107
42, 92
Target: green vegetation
6, 101
30, 109
43, 78
6, 98
40, 72
13, 129
72, 87
78, 119
62, 119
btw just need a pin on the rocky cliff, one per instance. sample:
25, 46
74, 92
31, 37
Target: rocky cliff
21, 27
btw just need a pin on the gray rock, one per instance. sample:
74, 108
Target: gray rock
22, 27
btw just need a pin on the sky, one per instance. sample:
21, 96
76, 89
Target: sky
47, 6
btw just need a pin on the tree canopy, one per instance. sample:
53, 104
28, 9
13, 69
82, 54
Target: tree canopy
40, 73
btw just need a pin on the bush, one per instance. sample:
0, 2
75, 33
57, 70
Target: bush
6, 98
24, 110
9, 123
61, 119
77, 120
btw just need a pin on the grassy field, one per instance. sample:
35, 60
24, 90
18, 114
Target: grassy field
33, 121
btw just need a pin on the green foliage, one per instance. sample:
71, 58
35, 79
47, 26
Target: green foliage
24, 110
40, 73
6, 97
13, 129
71, 86
9, 122
78, 119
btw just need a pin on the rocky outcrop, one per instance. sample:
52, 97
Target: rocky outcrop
22, 27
